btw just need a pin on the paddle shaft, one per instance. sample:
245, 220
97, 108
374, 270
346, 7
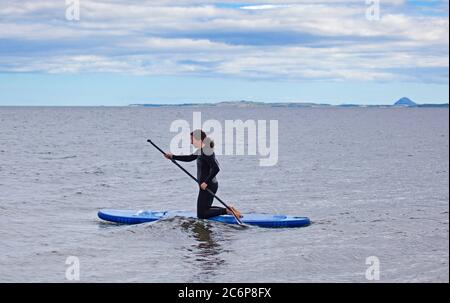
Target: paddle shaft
195, 179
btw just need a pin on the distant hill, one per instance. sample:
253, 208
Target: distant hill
240, 104
406, 102
403, 102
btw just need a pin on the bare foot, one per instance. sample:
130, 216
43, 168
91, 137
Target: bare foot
234, 211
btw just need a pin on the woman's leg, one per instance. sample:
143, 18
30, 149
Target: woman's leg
204, 202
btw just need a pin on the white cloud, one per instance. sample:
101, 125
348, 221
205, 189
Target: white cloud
179, 37
179, 45
267, 6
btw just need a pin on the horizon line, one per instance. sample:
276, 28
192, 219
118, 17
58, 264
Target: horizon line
231, 103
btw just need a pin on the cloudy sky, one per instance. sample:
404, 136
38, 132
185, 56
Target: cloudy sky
160, 51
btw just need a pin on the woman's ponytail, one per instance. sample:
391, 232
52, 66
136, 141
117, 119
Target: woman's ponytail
209, 142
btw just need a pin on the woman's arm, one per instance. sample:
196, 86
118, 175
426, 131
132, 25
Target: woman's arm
214, 167
188, 158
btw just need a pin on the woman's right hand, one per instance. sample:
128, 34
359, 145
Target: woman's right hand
168, 155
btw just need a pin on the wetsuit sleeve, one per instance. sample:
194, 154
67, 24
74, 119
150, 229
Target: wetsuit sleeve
188, 158
214, 167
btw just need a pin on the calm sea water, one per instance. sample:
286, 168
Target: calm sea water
375, 182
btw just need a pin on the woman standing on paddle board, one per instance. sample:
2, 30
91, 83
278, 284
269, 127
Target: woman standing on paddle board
207, 169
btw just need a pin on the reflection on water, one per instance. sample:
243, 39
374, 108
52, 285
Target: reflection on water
206, 251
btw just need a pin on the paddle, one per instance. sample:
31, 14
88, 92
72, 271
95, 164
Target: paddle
195, 179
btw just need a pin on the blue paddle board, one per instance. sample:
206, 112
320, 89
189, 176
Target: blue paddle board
142, 216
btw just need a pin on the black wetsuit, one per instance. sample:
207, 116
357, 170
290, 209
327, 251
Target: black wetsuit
207, 169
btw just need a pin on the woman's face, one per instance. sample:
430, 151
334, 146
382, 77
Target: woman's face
195, 142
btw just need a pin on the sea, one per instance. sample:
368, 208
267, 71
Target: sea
373, 181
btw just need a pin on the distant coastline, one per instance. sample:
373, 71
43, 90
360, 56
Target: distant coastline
254, 104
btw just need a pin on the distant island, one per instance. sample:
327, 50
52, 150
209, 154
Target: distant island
403, 102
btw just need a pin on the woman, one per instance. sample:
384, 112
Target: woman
207, 169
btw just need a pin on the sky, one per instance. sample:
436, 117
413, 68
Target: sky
180, 51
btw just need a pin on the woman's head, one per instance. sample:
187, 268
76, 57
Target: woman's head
200, 140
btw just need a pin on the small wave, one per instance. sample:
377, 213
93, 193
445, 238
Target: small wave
322, 222
104, 185
59, 158
175, 222
179, 223
68, 157
377, 220
97, 171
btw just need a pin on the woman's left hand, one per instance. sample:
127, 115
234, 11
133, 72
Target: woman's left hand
203, 186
